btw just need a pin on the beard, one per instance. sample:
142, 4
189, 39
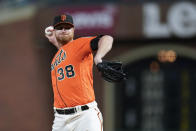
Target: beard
64, 39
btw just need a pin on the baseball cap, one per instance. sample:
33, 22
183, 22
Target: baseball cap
63, 19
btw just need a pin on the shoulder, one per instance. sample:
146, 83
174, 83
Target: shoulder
87, 38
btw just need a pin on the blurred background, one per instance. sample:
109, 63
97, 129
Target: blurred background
155, 39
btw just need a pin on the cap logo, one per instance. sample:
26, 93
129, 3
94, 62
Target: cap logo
63, 17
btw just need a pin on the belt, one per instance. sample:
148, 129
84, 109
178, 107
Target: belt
71, 110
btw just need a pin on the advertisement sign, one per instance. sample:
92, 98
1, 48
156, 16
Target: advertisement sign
93, 20
142, 21
180, 20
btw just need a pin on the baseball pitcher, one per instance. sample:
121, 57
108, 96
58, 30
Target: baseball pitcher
75, 108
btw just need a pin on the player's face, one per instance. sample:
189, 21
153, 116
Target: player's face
64, 33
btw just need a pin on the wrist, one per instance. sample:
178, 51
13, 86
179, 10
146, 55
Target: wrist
97, 59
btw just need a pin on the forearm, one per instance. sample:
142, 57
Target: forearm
104, 46
50, 34
55, 43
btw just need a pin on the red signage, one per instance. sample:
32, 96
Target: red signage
93, 20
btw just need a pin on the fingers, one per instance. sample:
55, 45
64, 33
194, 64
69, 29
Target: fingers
49, 31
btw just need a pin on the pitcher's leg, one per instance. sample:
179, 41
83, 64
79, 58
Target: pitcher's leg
59, 123
91, 120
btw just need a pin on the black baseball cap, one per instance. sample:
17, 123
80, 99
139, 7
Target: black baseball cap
63, 19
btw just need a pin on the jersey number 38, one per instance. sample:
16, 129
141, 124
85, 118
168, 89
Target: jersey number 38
69, 72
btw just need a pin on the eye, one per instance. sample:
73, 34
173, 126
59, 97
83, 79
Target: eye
59, 27
67, 27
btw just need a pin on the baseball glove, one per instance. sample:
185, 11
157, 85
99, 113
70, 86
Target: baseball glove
111, 71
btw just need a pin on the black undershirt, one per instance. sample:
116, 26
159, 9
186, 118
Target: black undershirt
94, 42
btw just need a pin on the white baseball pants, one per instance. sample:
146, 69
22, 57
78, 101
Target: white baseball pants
87, 120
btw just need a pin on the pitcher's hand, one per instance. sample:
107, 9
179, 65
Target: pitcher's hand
50, 34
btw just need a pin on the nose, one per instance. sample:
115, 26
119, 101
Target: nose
65, 30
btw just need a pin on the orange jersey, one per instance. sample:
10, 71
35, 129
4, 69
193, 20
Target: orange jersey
71, 73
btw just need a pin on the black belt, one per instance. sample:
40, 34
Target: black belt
71, 110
